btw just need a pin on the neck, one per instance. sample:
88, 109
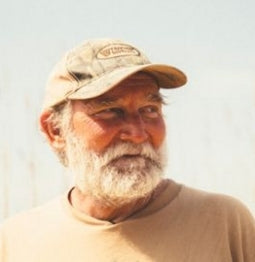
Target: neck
89, 205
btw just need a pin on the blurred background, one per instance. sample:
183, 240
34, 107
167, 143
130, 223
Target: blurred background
211, 121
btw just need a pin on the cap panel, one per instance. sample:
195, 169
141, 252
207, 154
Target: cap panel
92, 61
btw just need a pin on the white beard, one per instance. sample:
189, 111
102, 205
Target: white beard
123, 173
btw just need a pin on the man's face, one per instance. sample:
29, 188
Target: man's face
129, 112
115, 146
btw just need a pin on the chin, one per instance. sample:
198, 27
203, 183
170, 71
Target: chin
118, 187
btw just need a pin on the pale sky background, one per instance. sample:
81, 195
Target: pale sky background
211, 122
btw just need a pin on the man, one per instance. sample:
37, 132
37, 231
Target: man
102, 116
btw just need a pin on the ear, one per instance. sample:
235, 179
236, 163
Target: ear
52, 133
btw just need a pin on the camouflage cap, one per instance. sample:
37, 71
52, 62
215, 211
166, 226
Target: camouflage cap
96, 66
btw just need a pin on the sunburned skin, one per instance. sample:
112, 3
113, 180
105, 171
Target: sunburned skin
129, 112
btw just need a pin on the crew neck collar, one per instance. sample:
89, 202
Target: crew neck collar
164, 198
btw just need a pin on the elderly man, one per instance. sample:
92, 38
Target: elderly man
102, 115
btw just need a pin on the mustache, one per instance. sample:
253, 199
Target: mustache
127, 149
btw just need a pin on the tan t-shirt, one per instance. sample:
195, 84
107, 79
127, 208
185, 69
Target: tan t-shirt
182, 224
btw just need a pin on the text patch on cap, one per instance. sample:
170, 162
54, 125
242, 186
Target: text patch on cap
115, 50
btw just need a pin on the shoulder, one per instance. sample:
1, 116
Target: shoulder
31, 219
217, 206
211, 200
219, 218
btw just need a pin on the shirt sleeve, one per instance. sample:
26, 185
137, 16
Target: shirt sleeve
242, 234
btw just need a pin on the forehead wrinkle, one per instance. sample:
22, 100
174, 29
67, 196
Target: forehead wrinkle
112, 98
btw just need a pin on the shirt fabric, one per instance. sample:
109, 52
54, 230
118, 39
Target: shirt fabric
181, 225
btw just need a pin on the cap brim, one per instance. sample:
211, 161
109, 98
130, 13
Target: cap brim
166, 76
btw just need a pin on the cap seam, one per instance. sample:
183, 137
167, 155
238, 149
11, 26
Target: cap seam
71, 77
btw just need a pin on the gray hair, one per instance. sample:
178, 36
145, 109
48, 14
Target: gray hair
60, 118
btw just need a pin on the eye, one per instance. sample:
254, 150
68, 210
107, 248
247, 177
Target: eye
109, 113
150, 111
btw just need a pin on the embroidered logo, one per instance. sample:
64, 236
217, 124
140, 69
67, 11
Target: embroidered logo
115, 50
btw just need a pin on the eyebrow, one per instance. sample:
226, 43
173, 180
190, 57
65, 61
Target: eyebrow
156, 97
105, 101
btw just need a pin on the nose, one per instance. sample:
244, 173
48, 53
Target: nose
133, 130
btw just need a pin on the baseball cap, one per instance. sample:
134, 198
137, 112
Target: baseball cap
98, 65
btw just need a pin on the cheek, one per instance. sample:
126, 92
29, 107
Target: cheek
158, 132
96, 136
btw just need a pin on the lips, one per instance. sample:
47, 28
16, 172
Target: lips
128, 156
129, 160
